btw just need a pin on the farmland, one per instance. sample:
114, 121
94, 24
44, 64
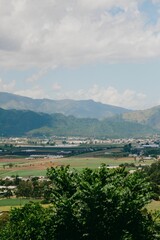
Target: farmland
34, 161
7, 204
37, 167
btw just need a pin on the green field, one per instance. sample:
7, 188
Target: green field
94, 162
22, 173
15, 201
7, 204
38, 167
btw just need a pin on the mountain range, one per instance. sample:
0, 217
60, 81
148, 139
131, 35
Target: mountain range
77, 108
28, 123
149, 117
21, 116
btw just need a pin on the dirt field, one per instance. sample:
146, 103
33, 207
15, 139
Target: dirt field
21, 166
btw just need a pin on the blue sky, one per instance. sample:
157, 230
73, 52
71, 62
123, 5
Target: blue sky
107, 50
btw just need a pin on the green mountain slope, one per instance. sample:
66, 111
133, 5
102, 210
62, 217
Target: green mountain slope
149, 117
20, 123
81, 108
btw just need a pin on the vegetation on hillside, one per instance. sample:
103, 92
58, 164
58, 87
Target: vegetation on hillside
20, 123
150, 117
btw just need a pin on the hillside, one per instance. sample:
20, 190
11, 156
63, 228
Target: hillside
149, 117
18, 123
28, 123
79, 108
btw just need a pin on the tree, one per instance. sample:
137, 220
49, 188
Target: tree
153, 172
105, 199
10, 165
25, 224
4, 217
127, 148
25, 189
8, 193
91, 204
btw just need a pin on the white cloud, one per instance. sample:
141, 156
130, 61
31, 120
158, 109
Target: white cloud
110, 95
56, 87
40, 33
34, 92
36, 76
7, 87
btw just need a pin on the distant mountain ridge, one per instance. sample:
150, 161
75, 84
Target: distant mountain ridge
37, 117
150, 117
27, 123
77, 108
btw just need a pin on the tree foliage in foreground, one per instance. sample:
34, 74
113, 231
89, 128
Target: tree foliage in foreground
153, 172
92, 204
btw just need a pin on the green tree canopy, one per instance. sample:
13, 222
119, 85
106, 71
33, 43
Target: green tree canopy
91, 204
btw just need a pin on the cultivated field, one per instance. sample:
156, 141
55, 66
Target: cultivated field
7, 204
37, 167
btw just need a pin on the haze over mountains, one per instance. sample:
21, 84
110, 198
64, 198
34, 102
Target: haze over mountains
80, 109
149, 117
21, 116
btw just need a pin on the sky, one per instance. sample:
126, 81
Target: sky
106, 50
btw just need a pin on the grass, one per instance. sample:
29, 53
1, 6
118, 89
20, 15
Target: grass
15, 201
22, 173
153, 206
7, 204
77, 162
